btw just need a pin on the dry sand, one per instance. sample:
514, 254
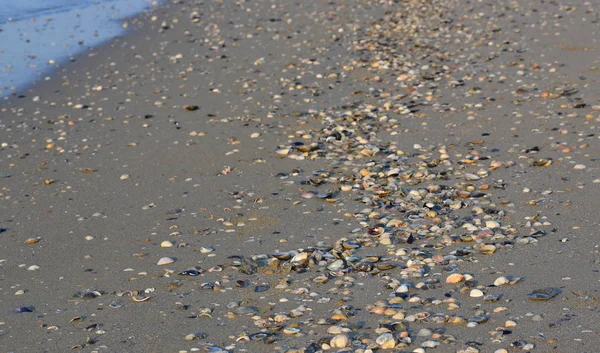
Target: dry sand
103, 163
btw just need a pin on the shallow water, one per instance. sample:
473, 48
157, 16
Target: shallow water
37, 35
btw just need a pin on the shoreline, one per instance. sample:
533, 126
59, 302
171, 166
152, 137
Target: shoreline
281, 177
54, 29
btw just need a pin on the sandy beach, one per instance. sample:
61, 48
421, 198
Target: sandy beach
347, 176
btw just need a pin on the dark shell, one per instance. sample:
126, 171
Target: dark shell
544, 293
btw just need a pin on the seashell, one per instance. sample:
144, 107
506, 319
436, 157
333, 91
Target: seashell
471, 177
386, 341
140, 298
301, 258
492, 298
282, 255
544, 294
91, 295
476, 293
430, 344
247, 310
291, 330
191, 273
322, 279
263, 287
165, 261
206, 249
455, 278
480, 319
456, 320
375, 231
24, 309
194, 336
337, 265
336, 330
500, 281
487, 249
166, 244
363, 266
492, 224
522, 344
339, 341
215, 269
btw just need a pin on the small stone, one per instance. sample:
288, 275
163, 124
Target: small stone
33, 268
124, 177
510, 323
501, 350
165, 261
579, 166
254, 135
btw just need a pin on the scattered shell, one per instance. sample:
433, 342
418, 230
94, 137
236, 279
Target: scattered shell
455, 278
166, 244
25, 309
165, 261
476, 293
339, 341
386, 341
140, 298
544, 294
500, 281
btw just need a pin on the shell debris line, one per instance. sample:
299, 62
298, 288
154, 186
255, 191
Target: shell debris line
271, 176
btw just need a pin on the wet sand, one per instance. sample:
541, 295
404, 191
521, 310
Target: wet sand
436, 139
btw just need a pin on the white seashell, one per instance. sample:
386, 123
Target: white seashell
165, 261
476, 293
